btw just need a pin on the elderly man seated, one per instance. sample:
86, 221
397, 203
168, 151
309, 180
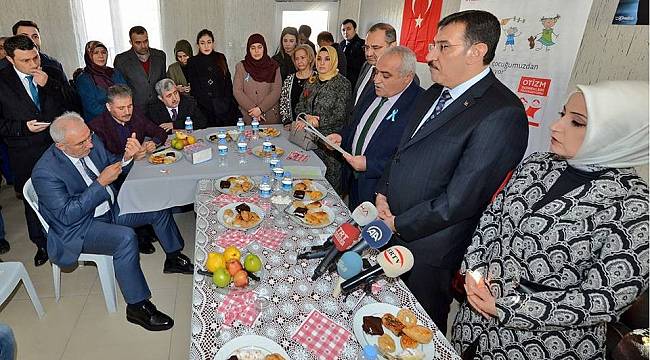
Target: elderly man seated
173, 108
73, 180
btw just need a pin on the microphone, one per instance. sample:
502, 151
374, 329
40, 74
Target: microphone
349, 265
375, 235
314, 254
343, 238
392, 262
360, 217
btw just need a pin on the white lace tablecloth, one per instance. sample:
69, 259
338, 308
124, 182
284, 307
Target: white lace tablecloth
286, 284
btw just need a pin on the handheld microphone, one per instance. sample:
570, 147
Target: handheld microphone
313, 254
349, 265
343, 238
360, 217
392, 262
375, 235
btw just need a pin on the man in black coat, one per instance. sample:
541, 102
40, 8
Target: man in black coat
352, 47
172, 109
31, 97
465, 134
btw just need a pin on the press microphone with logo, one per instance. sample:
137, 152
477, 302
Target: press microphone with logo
341, 230
392, 262
360, 217
343, 238
375, 235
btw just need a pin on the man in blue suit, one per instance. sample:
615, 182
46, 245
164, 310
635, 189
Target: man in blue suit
73, 180
378, 121
465, 133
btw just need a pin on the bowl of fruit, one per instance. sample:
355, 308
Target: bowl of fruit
231, 270
181, 139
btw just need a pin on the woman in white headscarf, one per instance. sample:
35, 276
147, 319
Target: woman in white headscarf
563, 248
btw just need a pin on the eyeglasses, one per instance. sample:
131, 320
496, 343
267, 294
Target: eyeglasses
86, 141
442, 47
373, 47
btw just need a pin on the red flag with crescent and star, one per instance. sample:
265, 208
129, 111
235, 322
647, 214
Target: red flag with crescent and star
419, 25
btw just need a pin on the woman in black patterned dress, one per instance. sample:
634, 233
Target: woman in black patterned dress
563, 249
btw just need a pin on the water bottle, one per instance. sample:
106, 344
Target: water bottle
369, 352
240, 125
287, 182
221, 135
223, 152
189, 125
265, 187
278, 175
274, 161
255, 125
242, 148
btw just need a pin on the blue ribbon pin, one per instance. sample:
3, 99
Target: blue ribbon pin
392, 115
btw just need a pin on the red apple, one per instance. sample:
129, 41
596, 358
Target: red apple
241, 279
233, 266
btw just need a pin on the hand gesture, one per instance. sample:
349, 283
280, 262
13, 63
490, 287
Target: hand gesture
357, 162
479, 295
40, 77
255, 112
334, 138
167, 126
149, 146
110, 174
132, 147
33, 127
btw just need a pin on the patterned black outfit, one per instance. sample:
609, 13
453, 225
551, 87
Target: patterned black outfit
561, 271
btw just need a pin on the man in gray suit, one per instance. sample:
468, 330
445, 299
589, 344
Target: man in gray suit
141, 66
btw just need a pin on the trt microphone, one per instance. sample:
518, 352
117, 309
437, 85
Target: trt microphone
323, 250
349, 265
360, 217
343, 238
392, 262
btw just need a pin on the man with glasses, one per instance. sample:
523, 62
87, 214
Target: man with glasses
32, 96
465, 134
74, 181
379, 37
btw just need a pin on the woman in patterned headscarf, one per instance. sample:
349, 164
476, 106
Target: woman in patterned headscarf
325, 101
563, 248
95, 79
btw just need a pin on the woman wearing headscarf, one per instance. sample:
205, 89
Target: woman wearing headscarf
258, 83
95, 79
325, 101
208, 73
288, 43
294, 84
563, 248
177, 70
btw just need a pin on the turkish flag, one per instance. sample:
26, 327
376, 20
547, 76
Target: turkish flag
419, 25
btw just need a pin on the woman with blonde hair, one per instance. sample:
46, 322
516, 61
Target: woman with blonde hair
294, 84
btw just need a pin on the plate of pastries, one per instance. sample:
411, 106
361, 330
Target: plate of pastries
312, 214
308, 190
259, 152
251, 347
270, 132
235, 184
396, 332
240, 216
165, 157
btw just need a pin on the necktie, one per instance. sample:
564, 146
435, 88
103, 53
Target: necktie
442, 100
33, 90
89, 172
367, 125
174, 114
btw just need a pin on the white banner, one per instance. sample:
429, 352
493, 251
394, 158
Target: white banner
536, 54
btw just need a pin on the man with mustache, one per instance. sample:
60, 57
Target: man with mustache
466, 132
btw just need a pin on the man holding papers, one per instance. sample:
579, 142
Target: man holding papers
377, 125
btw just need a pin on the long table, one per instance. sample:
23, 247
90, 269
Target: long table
287, 285
151, 187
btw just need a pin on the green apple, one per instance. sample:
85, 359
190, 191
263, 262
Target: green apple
221, 277
252, 263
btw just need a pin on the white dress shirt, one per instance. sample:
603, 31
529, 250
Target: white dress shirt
25, 82
381, 116
455, 94
363, 83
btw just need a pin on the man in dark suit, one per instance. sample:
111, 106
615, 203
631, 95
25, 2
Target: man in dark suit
465, 134
380, 37
32, 96
141, 66
172, 109
73, 181
352, 47
378, 123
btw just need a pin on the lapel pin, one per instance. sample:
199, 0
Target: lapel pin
392, 115
466, 103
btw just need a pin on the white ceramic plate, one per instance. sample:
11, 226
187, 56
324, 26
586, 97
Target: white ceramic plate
378, 310
232, 206
274, 132
264, 345
313, 186
301, 221
177, 156
228, 191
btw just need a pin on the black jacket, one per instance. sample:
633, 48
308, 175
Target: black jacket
157, 112
355, 57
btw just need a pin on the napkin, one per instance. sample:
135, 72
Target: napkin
269, 238
225, 199
297, 156
234, 237
322, 336
239, 305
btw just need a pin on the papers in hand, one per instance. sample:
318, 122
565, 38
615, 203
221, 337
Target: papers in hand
309, 128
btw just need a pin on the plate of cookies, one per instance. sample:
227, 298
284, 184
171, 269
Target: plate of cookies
257, 151
251, 347
308, 190
270, 132
235, 184
165, 157
312, 214
396, 332
240, 216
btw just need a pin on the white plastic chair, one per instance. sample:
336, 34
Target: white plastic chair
11, 273
104, 262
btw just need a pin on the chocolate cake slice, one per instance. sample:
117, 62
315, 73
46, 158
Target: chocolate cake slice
372, 325
224, 184
242, 207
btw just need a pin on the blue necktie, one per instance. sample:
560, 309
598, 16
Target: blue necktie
33, 90
442, 100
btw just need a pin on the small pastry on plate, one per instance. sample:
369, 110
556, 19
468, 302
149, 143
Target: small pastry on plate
419, 334
407, 317
386, 344
407, 342
392, 323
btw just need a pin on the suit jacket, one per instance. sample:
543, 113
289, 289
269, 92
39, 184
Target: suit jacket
157, 112
355, 56
105, 127
440, 180
142, 84
381, 146
66, 202
46, 60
